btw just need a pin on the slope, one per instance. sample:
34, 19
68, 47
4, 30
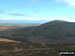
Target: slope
54, 32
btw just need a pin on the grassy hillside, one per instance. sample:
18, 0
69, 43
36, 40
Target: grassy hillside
43, 40
15, 33
54, 32
32, 49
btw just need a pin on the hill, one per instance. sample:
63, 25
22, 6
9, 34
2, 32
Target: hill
43, 40
54, 32
17, 33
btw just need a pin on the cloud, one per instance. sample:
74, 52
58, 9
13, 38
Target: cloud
18, 14
69, 2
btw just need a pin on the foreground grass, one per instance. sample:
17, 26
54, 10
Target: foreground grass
32, 49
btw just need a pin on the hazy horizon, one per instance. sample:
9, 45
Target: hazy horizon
24, 21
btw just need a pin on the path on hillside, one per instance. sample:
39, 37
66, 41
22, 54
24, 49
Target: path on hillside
16, 50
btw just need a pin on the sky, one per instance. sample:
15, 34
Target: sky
37, 10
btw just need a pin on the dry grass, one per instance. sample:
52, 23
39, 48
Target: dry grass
9, 27
6, 40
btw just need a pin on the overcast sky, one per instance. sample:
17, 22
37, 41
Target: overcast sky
37, 10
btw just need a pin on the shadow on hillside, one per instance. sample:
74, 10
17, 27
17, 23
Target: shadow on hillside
18, 34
